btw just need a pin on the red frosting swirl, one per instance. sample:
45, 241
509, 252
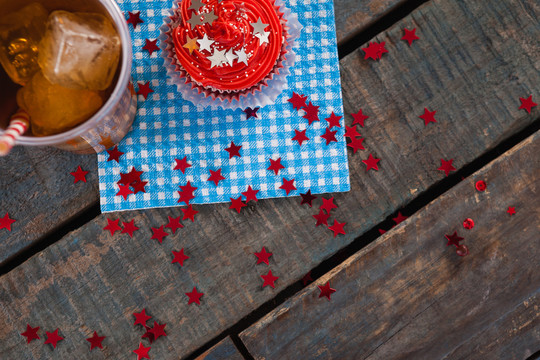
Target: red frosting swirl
231, 30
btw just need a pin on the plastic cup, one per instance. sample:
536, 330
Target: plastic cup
113, 121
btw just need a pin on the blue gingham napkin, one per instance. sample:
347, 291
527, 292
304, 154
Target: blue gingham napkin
167, 127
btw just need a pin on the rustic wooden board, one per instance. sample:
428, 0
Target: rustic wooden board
37, 190
408, 296
39, 212
92, 280
225, 349
353, 16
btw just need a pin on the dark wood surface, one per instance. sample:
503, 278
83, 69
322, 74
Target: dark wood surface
408, 296
473, 62
39, 212
225, 349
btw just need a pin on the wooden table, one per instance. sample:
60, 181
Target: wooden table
403, 294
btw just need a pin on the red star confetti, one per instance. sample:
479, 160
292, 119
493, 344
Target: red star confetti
356, 144
527, 104
329, 136
138, 186
322, 218
337, 228
5, 222
307, 198
298, 101
468, 224
333, 120
159, 234
237, 204
189, 213
174, 224
186, 194
375, 50
328, 205
251, 113
113, 226
142, 352
148, 334
275, 166
233, 150
114, 154
326, 290
300, 136
131, 177
144, 89
481, 185
399, 218
129, 227
351, 132
307, 278
95, 341
410, 36
250, 194
381, 231
31, 333
371, 163
359, 118
182, 165
179, 257
269, 279
53, 338
141, 318
453, 239
134, 19
158, 330
428, 116
216, 177
262, 256
312, 113
151, 46
446, 166
194, 296
511, 210
124, 191
79, 175
288, 186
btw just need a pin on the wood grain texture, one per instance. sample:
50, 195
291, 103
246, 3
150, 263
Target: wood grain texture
225, 349
37, 190
408, 296
354, 15
90, 280
43, 211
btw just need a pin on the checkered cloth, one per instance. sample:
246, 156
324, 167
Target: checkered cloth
168, 128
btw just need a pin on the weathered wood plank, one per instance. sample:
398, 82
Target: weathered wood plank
92, 279
408, 296
39, 212
354, 16
225, 349
37, 190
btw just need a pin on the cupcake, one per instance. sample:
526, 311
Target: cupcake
229, 53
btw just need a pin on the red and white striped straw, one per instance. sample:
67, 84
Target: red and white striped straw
18, 125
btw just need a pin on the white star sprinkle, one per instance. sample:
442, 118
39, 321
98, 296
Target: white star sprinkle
242, 56
217, 58
231, 57
263, 38
195, 20
210, 17
205, 43
258, 27
196, 5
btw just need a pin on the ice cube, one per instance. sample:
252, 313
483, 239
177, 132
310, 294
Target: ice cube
79, 50
54, 108
20, 33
